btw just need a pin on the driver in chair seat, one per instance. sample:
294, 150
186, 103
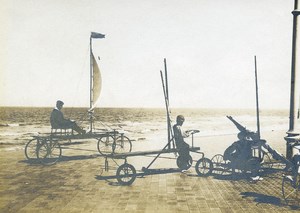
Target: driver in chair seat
58, 121
240, 151
179, 136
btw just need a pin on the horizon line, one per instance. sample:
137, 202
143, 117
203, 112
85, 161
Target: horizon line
145, 107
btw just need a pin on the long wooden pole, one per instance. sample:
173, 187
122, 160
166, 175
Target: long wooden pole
167, 99
257, 105
91, 86
167, 109
166, 75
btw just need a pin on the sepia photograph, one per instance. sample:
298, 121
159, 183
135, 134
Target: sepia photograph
149, 106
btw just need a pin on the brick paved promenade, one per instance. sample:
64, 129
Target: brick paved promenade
74, 185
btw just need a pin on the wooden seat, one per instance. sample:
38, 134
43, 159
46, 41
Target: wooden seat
61, 131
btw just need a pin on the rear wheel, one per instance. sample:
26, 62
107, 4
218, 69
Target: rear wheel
126, 174
290, 190
227, 170
122, 145
266, 162
49, 152
218, 164
203, 167
252, 167
31, 149
105, 144
184, 162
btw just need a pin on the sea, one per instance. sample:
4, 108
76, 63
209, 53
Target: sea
19, 124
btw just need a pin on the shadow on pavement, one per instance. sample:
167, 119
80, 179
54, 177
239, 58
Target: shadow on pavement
261, 198
63, 159
232, 177
266, 199
246, 176
140, 174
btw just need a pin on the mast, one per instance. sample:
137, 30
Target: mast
93, 35
91, 86
257, 107
166, 75
168, 104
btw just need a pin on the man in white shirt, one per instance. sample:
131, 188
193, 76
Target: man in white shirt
179, 136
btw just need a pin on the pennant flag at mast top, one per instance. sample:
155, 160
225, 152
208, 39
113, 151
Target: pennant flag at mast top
97, 35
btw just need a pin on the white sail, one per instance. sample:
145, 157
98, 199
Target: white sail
97, 83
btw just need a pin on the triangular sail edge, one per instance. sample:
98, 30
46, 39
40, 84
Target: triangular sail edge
97, 83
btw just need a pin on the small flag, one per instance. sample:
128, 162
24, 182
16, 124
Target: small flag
97, 35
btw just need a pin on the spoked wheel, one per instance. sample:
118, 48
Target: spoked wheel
227, 169
122, 145
31, 149
265, 161
203, 167
252, 167
49, 152
184, 162
218, 164
126, 174
105, 144
278, 165
290, 190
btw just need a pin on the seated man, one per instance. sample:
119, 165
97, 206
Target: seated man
58, 121
240, 155
179, 134
240, 151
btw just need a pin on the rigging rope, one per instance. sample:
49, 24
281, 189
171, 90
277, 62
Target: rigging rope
107, 127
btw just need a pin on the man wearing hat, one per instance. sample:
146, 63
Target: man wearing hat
58, 121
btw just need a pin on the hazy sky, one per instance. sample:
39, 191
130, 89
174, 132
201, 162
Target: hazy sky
209, 46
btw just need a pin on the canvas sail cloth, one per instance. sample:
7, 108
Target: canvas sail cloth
96, 84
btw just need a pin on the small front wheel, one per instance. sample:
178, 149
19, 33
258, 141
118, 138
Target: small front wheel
49, 152
203, 167
126, 174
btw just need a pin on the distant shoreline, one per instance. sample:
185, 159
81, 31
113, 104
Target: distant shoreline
158, 108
